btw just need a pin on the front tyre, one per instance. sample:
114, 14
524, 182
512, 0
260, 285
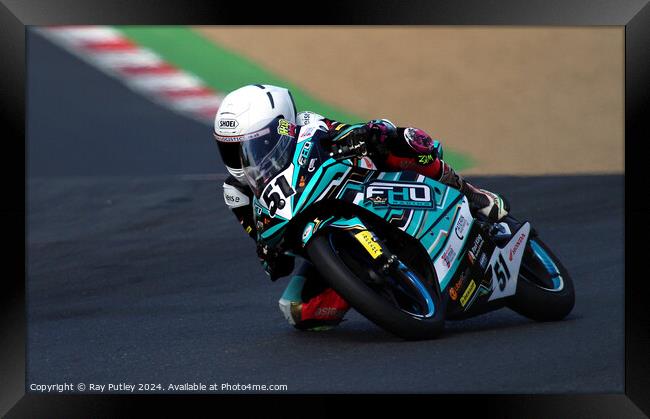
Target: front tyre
399, 301
544, 288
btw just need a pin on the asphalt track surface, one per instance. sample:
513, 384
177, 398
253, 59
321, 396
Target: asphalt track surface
138, 273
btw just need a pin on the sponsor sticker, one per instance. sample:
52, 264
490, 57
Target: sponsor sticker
304, 153
367, 240
453, 290
312, 165
475, 250
514, 249
477, 245
304, 118
453, 293
307, 117
232, 199
286, 128
461, 226
424, 159
399, 195
306, 132
469, 292
448, 256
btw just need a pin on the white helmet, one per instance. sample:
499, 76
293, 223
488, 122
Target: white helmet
247, 110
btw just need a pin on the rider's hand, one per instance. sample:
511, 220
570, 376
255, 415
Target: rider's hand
377, 134
350, 144
275, 263
368, 139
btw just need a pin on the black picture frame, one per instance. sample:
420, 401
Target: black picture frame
634, 15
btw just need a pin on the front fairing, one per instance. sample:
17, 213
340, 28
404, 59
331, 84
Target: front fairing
299, 185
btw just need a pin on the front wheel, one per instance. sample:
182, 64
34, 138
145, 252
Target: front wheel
544, 288
398, 300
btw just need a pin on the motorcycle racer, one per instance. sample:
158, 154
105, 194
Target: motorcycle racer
307, 302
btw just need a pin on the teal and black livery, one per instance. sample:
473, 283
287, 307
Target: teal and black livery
403, 249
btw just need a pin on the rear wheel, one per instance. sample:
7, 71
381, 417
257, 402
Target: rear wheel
399, 299
544, 288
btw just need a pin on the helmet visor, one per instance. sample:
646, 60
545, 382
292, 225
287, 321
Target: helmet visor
267, 152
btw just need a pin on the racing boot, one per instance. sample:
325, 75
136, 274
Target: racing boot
308, 304
484, 202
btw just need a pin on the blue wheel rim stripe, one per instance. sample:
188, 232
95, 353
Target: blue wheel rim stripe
558, 283
427, 297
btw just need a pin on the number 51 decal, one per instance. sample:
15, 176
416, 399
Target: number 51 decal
276, 193
502, 272
506, 263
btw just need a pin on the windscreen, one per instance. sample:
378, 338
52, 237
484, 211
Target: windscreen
266, 152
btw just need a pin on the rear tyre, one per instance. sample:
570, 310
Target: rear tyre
544, 288
400, 302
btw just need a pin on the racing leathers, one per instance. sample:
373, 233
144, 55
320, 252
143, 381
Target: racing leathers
307, 302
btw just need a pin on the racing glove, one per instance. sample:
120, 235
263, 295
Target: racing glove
381, 138
369, 139
276, 264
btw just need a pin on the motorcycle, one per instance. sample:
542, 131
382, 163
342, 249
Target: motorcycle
403, 249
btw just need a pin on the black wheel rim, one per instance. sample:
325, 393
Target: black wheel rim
401, 286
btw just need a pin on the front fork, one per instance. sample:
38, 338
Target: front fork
390, 271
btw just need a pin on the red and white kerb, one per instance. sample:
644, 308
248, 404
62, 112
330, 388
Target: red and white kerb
139, 68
